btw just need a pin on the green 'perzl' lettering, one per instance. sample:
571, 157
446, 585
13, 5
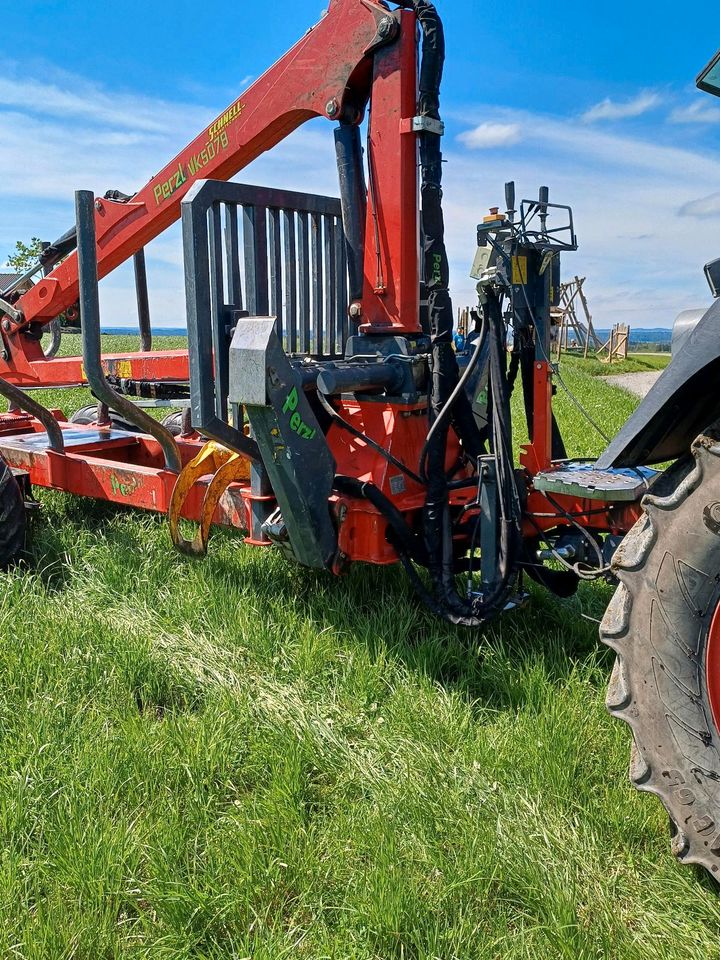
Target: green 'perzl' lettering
291, 404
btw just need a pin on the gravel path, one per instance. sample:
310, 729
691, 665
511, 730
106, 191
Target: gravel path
637, 383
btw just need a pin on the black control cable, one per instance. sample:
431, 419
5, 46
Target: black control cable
359, 435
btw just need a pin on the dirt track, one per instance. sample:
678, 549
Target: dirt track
637, 383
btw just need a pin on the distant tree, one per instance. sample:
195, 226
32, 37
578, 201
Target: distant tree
25, 255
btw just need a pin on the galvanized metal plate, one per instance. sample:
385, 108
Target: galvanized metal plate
586, 481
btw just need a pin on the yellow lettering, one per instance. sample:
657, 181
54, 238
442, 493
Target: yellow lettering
223, 121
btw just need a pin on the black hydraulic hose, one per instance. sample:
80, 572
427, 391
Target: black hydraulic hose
358, 434
444, 395
406, 541
514, 367
454, 608
509, 498
447, 409
438, 530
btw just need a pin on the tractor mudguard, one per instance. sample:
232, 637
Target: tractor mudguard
683, 403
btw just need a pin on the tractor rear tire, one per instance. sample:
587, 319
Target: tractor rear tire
664, 624
13, 518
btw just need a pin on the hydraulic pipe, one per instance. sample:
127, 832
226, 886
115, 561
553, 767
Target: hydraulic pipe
90, 326
365, 378
353, 197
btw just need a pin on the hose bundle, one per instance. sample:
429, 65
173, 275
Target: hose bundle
448, 405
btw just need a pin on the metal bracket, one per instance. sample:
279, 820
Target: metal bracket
428, 125
10, 310
294, 450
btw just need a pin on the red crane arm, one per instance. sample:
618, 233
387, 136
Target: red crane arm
329, 72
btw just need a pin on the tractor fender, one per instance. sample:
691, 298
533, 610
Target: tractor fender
683, 403
684, 325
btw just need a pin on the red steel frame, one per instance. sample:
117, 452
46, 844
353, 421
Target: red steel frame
128, 470
541, 514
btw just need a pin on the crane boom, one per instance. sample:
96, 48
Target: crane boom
359, 49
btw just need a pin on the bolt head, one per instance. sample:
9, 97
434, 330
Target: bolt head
332, 108
6, 324
355, 310
386, 27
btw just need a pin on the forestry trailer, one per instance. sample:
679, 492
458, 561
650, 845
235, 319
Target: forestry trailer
327, 413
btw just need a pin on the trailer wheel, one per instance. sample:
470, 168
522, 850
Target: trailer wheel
12, 518
88, 413
173, 421
664, 624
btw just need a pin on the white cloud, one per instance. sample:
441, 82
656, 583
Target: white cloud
643, 260
489, 135
72, 98
702, 208
697, 112
609, 109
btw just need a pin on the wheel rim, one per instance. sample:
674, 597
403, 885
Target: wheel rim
712, 667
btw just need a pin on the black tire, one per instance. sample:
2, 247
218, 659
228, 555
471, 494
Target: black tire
88, 414
659, 624
13, 519
173, 421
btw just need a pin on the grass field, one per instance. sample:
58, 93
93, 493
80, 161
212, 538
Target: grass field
235, 758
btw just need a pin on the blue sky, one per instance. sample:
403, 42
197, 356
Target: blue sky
595, 100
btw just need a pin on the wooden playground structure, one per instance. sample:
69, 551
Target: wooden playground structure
574, 330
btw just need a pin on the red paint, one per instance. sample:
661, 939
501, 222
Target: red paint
328, 70
712, 667
68, 371
618, 518
127, 470
392, 250
401, 430
537, 455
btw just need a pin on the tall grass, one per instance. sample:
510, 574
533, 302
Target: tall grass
238, 758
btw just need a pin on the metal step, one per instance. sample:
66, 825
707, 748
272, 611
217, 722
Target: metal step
587, 482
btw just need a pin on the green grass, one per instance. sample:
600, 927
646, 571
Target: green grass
236, 758
635, 363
